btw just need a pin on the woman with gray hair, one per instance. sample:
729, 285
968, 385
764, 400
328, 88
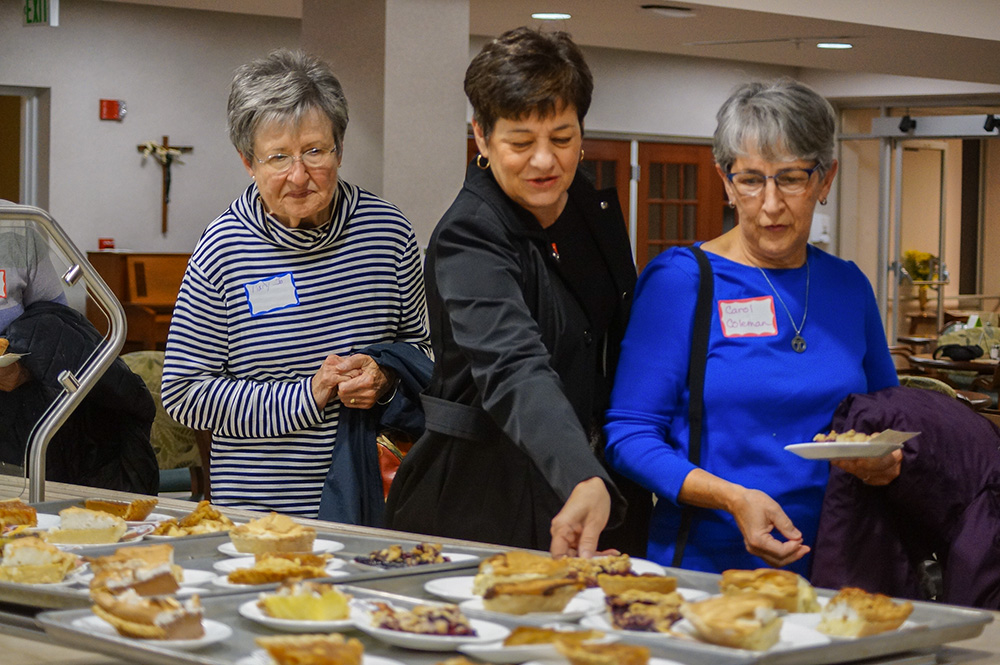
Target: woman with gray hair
792, 332
282, 292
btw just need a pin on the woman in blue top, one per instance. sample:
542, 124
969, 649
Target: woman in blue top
794, 330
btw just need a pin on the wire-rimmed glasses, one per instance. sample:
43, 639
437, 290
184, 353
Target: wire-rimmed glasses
314, 158
788, 181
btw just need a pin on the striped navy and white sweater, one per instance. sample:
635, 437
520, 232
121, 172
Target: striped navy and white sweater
260, 307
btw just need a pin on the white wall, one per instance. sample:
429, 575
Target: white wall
173, 70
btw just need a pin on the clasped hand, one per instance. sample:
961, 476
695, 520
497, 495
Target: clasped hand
357, 380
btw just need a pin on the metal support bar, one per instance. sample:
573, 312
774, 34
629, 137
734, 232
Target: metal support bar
95, 367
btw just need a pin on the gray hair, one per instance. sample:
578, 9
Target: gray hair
781, 119
282, 88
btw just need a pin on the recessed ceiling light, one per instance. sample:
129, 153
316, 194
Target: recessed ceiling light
834, 45
551, 16
669, 11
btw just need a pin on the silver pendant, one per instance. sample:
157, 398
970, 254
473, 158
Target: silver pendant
798, 344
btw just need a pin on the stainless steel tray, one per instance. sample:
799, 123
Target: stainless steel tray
200, 553
941, 624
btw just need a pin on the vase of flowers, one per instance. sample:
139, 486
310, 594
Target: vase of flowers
921, 267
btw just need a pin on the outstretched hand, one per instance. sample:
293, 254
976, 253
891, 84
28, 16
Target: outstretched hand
577, 527
757, 516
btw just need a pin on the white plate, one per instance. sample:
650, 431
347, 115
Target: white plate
319, 547
191, 577
793, 635
132, 535
455, 589
643, 566
842, 449
811, 620
229, 565
224, 582
575, 609
496, 652
452, 557
486, 631
46, 521
214, 632
251, 611
8, 359
261, 657
652, 661
597, 595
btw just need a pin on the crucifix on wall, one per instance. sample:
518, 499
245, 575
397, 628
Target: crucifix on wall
166, 155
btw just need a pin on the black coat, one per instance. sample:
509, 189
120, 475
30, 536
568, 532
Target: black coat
105, 441
510, 430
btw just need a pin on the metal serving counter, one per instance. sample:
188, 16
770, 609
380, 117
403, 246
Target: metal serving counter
25, 612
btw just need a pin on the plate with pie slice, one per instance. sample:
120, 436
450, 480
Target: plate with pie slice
261, 657
8, 359
878, 445
451, 557
652, 661
496, 652
486, 631
252, 611
229, 565
214, 632
597, 594
319, 547
132, 534
224, 582
577, 608
191, 577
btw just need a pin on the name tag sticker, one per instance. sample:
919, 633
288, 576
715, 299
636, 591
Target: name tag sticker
267, 295
750, 317
3, 283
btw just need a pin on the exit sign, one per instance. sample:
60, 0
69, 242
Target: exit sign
41, 12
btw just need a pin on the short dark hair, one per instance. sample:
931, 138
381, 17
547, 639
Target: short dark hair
524, 71
283, 87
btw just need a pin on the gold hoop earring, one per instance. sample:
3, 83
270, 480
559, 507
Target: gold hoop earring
480, 164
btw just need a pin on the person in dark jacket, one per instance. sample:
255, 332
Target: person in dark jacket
529, 280
105, 441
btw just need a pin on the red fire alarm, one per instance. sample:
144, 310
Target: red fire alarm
113, 109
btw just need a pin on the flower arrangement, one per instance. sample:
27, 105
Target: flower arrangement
920, 266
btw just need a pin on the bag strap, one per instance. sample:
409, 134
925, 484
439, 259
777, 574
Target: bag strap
696, 384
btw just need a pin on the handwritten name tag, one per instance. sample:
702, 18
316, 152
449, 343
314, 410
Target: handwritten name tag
270, 294
750, 317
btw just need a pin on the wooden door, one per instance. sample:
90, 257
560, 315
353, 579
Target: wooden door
681, 198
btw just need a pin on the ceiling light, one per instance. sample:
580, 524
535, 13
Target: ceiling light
669, 11
551, 16
834, 45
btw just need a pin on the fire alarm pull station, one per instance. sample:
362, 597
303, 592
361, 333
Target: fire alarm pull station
113, 109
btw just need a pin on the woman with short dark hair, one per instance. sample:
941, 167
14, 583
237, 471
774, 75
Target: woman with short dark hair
529, 279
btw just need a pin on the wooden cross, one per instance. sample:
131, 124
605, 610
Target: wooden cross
166, 158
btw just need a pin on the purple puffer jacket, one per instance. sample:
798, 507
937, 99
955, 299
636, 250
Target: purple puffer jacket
945, 502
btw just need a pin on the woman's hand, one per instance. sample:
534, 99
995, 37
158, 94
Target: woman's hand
326, 380
757, 515
365, 381
576, 528
13, 376
876, 471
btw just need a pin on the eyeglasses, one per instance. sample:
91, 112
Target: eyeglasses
788, 181
314, 158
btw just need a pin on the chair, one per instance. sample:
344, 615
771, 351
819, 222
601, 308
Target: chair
182, 453
152, 283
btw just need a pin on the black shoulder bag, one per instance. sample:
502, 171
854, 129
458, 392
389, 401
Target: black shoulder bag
696, 384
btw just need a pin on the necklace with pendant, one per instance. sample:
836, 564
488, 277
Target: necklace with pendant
798, 342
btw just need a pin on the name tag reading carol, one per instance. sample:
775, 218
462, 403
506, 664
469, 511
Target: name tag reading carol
271, 294
749, 317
